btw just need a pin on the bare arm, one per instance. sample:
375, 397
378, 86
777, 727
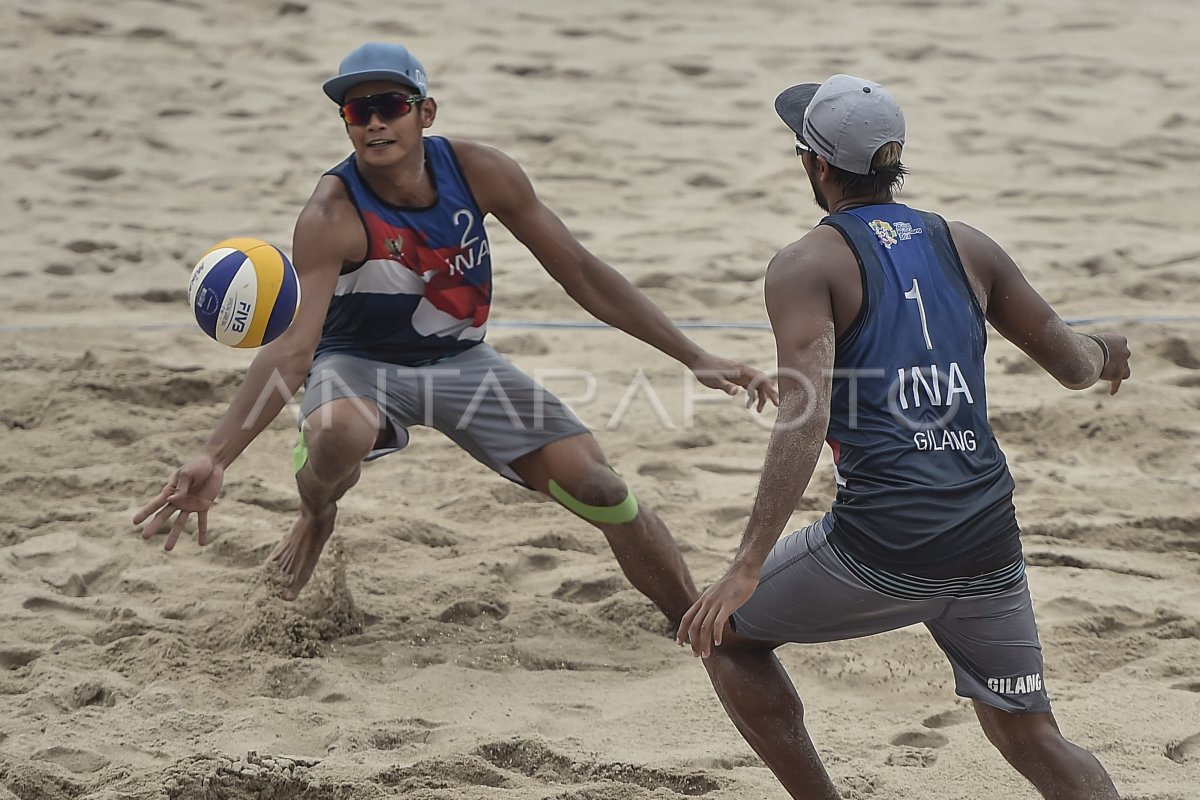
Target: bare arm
328, 233
503, 189
801, 310
1023, 317
799, 306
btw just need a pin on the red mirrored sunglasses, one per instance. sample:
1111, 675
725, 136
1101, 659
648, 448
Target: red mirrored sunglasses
388, 105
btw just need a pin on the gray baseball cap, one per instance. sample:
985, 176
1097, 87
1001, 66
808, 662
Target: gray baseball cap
376, 61
845, 119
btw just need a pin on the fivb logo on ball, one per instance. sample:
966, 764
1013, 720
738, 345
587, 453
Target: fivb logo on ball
244, 292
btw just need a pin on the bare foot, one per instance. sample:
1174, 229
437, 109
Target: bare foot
298, 552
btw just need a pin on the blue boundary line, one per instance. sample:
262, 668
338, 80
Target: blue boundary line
583, 325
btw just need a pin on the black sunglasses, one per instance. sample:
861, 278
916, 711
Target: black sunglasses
801, 147
388, 105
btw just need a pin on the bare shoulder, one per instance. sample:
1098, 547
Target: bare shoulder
481, 162
329, 224
329, 202
472, 154
816, 256
967, 237
495, 178
983, 257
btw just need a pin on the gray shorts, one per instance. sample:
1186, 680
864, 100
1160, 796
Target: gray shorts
806, 594
482, 402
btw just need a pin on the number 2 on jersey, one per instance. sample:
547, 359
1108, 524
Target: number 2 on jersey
915, 294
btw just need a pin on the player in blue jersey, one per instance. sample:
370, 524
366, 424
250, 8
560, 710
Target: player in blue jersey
879, 319
395, 269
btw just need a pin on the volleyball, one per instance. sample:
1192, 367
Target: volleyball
244, 292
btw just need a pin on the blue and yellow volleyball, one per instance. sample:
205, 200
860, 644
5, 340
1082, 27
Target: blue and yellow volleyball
244, 292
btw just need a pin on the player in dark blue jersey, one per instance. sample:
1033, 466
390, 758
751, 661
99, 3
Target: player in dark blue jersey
395, 270
879, 319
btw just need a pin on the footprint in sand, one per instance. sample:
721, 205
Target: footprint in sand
296, 678
663, 471
1178, 351
1186, 751
119, 436
916, 749
574, 591
402, 734
77, 761
561, 541
15, 658
693, 441
911, 757
92, 692
945, 719
396, 734
465, 612
418, 531
48, 605
931, 739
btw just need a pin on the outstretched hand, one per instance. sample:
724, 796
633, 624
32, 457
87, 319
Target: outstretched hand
192, 489
704, 623
727, 375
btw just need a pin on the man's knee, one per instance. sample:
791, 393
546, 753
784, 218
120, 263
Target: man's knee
1018, 736
334, 442
598, 494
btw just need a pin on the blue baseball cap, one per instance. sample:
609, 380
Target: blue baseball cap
377, 61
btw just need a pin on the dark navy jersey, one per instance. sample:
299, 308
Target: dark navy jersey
923, 487
424, 290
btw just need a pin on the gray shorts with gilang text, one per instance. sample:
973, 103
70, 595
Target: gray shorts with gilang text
806, 594
486, 405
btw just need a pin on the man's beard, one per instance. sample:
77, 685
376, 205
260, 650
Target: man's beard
818, 197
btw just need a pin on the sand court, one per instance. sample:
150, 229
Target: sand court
465, 638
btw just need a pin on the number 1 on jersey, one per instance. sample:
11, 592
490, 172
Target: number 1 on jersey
915, 294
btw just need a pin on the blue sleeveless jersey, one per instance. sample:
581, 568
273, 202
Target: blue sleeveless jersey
923, 487
424, 290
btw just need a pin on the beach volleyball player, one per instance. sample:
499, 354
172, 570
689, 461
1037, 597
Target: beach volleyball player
396, 276
879, 320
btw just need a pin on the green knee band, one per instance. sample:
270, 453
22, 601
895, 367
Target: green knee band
299, 453
622, 512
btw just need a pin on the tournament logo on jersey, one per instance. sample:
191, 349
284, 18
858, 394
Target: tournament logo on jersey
890, 234
885, 232
395, 246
